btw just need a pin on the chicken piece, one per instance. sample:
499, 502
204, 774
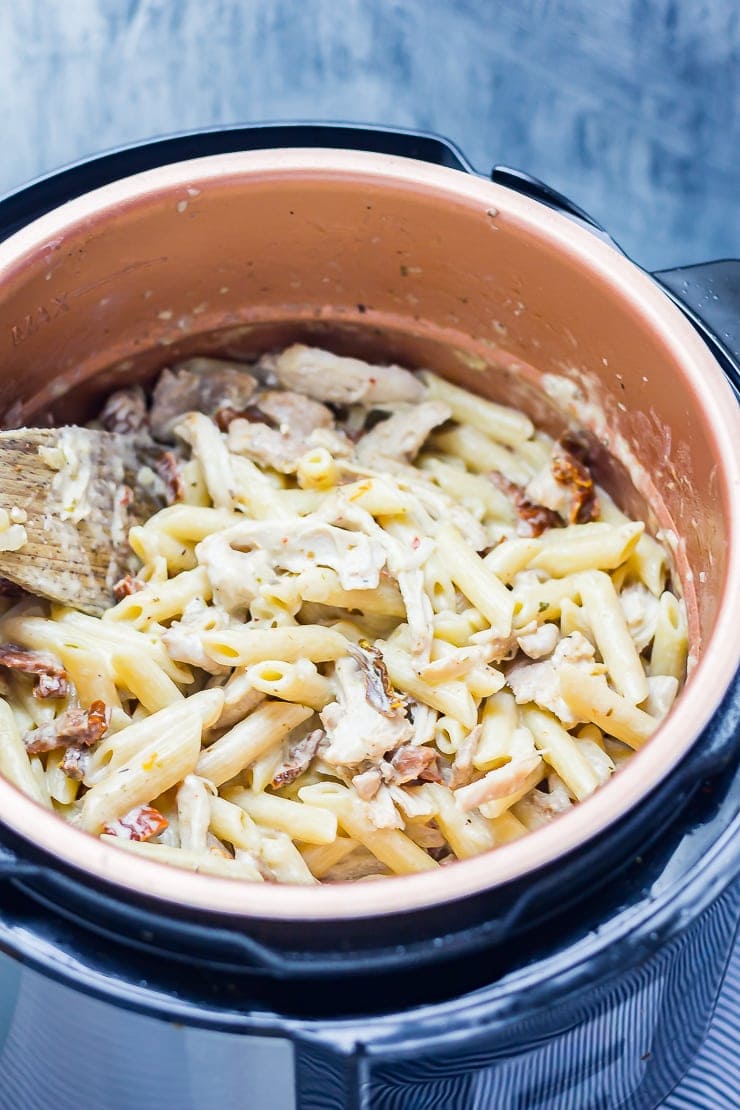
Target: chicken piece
357, 558
197, 385
662, 690
235, 576
240, 697
51, 677
355, 729
409, 762
368, 783
404, 562
282, 437
382, 811
402, 436
539, 683
125, 412
640, 608
539, 641
294, 412
140, 823
342, 381
463, 763
81, 727
298, 758
499, 783
541, 807
183, 638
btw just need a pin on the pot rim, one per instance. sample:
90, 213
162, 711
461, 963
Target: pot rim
699, 700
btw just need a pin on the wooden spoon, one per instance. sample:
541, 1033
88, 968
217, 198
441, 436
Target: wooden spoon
81, 491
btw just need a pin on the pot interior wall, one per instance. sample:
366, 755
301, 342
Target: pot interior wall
374, 268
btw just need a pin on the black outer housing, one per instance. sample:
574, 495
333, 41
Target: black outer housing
106, 942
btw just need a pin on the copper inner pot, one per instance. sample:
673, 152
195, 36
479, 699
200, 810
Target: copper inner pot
389, 259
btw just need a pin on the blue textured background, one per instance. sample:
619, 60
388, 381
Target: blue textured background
630, 107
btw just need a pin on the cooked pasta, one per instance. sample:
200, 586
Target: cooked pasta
382, 625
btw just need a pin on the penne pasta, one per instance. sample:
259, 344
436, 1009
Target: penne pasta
386, 624
591, 699
560, 750
310, 823
242, 647
391, 846
264, 728
671, 642
474, 579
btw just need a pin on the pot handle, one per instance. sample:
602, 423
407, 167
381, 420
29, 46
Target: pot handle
13, 867
709, 294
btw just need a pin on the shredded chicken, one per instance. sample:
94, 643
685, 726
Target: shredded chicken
640, 608
662, 690
225, 417
298, 758
51, 677
368, 783
183, 638
462, 764
235, 576
344, 381
284, 436
381, 810
409, 762
355, 729
81, 727
540, 641
140, 823
404, 563
548, 804
402, 436
198, 385
499, 783
125, 411
538, 682
357, 558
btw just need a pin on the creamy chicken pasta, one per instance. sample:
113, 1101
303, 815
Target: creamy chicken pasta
382, 625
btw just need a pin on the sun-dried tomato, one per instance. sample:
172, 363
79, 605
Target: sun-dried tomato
169, 471
126, 586
51, 680
140, 823
537, 517
570, 471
